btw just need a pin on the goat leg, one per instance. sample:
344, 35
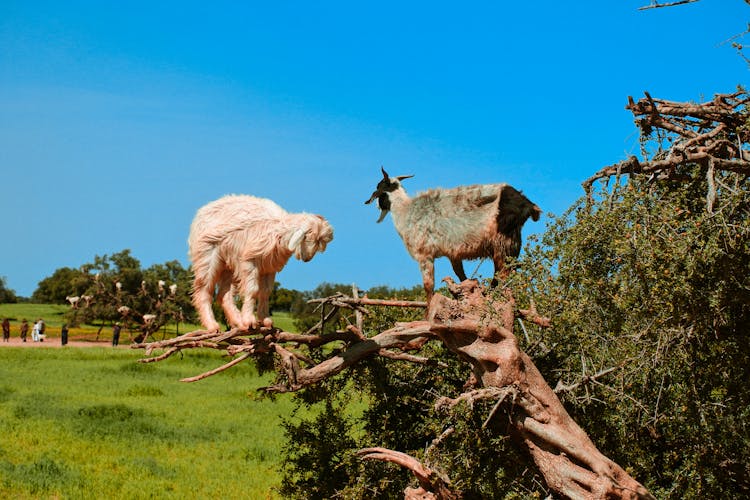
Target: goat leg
458, 268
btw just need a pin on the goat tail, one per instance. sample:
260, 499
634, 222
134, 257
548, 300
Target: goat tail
206, 265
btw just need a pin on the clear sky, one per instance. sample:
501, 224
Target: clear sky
118, 120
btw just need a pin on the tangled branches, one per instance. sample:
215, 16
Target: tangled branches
712, 135
264, 340
479, 329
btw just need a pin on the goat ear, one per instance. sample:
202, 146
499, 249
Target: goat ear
296, 238
402, 177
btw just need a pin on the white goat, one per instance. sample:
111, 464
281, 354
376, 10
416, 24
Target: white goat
239, 243
73, 301
467, 222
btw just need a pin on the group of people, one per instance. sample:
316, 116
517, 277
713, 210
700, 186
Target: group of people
37, 331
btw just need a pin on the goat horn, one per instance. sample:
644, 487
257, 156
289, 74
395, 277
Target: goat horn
385, 174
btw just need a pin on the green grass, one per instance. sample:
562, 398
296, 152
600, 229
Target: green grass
51, 313
94, 423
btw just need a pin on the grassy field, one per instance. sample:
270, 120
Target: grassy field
94, 423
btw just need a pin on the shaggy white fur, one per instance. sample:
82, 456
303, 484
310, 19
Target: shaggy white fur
239, 243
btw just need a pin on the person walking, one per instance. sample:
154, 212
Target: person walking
64, 334
6, 330
35, 330
42, 330
116, 334
24, 329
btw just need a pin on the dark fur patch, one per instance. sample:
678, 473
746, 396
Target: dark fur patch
387, 186
513, 210
384, 202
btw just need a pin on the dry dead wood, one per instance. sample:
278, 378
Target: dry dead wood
712, 135
432, 486
657, 5
477, 328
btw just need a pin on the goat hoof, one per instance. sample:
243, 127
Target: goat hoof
250, 325
213, 328
268, 322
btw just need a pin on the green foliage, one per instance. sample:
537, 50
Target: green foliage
7, 296
64, 282
316, 453
117, 281
647, 280
641, 278
282, 299
40, 478
398, 413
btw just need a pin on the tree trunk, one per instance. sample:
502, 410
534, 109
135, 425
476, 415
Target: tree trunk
481, 332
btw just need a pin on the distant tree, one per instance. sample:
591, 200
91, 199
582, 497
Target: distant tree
7, 296
282, 299
63, 283
115, 288
306, 314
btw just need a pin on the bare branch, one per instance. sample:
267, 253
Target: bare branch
432, 485
710, 134
585, 379
657, 5
343, 300
217, 370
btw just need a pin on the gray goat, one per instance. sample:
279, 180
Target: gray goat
466, 222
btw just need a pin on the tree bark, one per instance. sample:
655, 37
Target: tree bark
569, 461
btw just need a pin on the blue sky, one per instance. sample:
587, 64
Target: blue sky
119, 120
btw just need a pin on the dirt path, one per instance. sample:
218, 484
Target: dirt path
55, 342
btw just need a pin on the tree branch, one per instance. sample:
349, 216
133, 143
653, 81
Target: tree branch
432, 485
657, 5
478, 329
709, 134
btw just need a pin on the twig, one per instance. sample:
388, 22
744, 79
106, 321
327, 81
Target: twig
656, 5
217, 370
364, 301
560, 387
708, 134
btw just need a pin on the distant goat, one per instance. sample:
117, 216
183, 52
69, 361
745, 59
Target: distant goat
239, 243
73, 301
466, 222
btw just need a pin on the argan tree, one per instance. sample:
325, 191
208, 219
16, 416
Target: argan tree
115, 288
634, 307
